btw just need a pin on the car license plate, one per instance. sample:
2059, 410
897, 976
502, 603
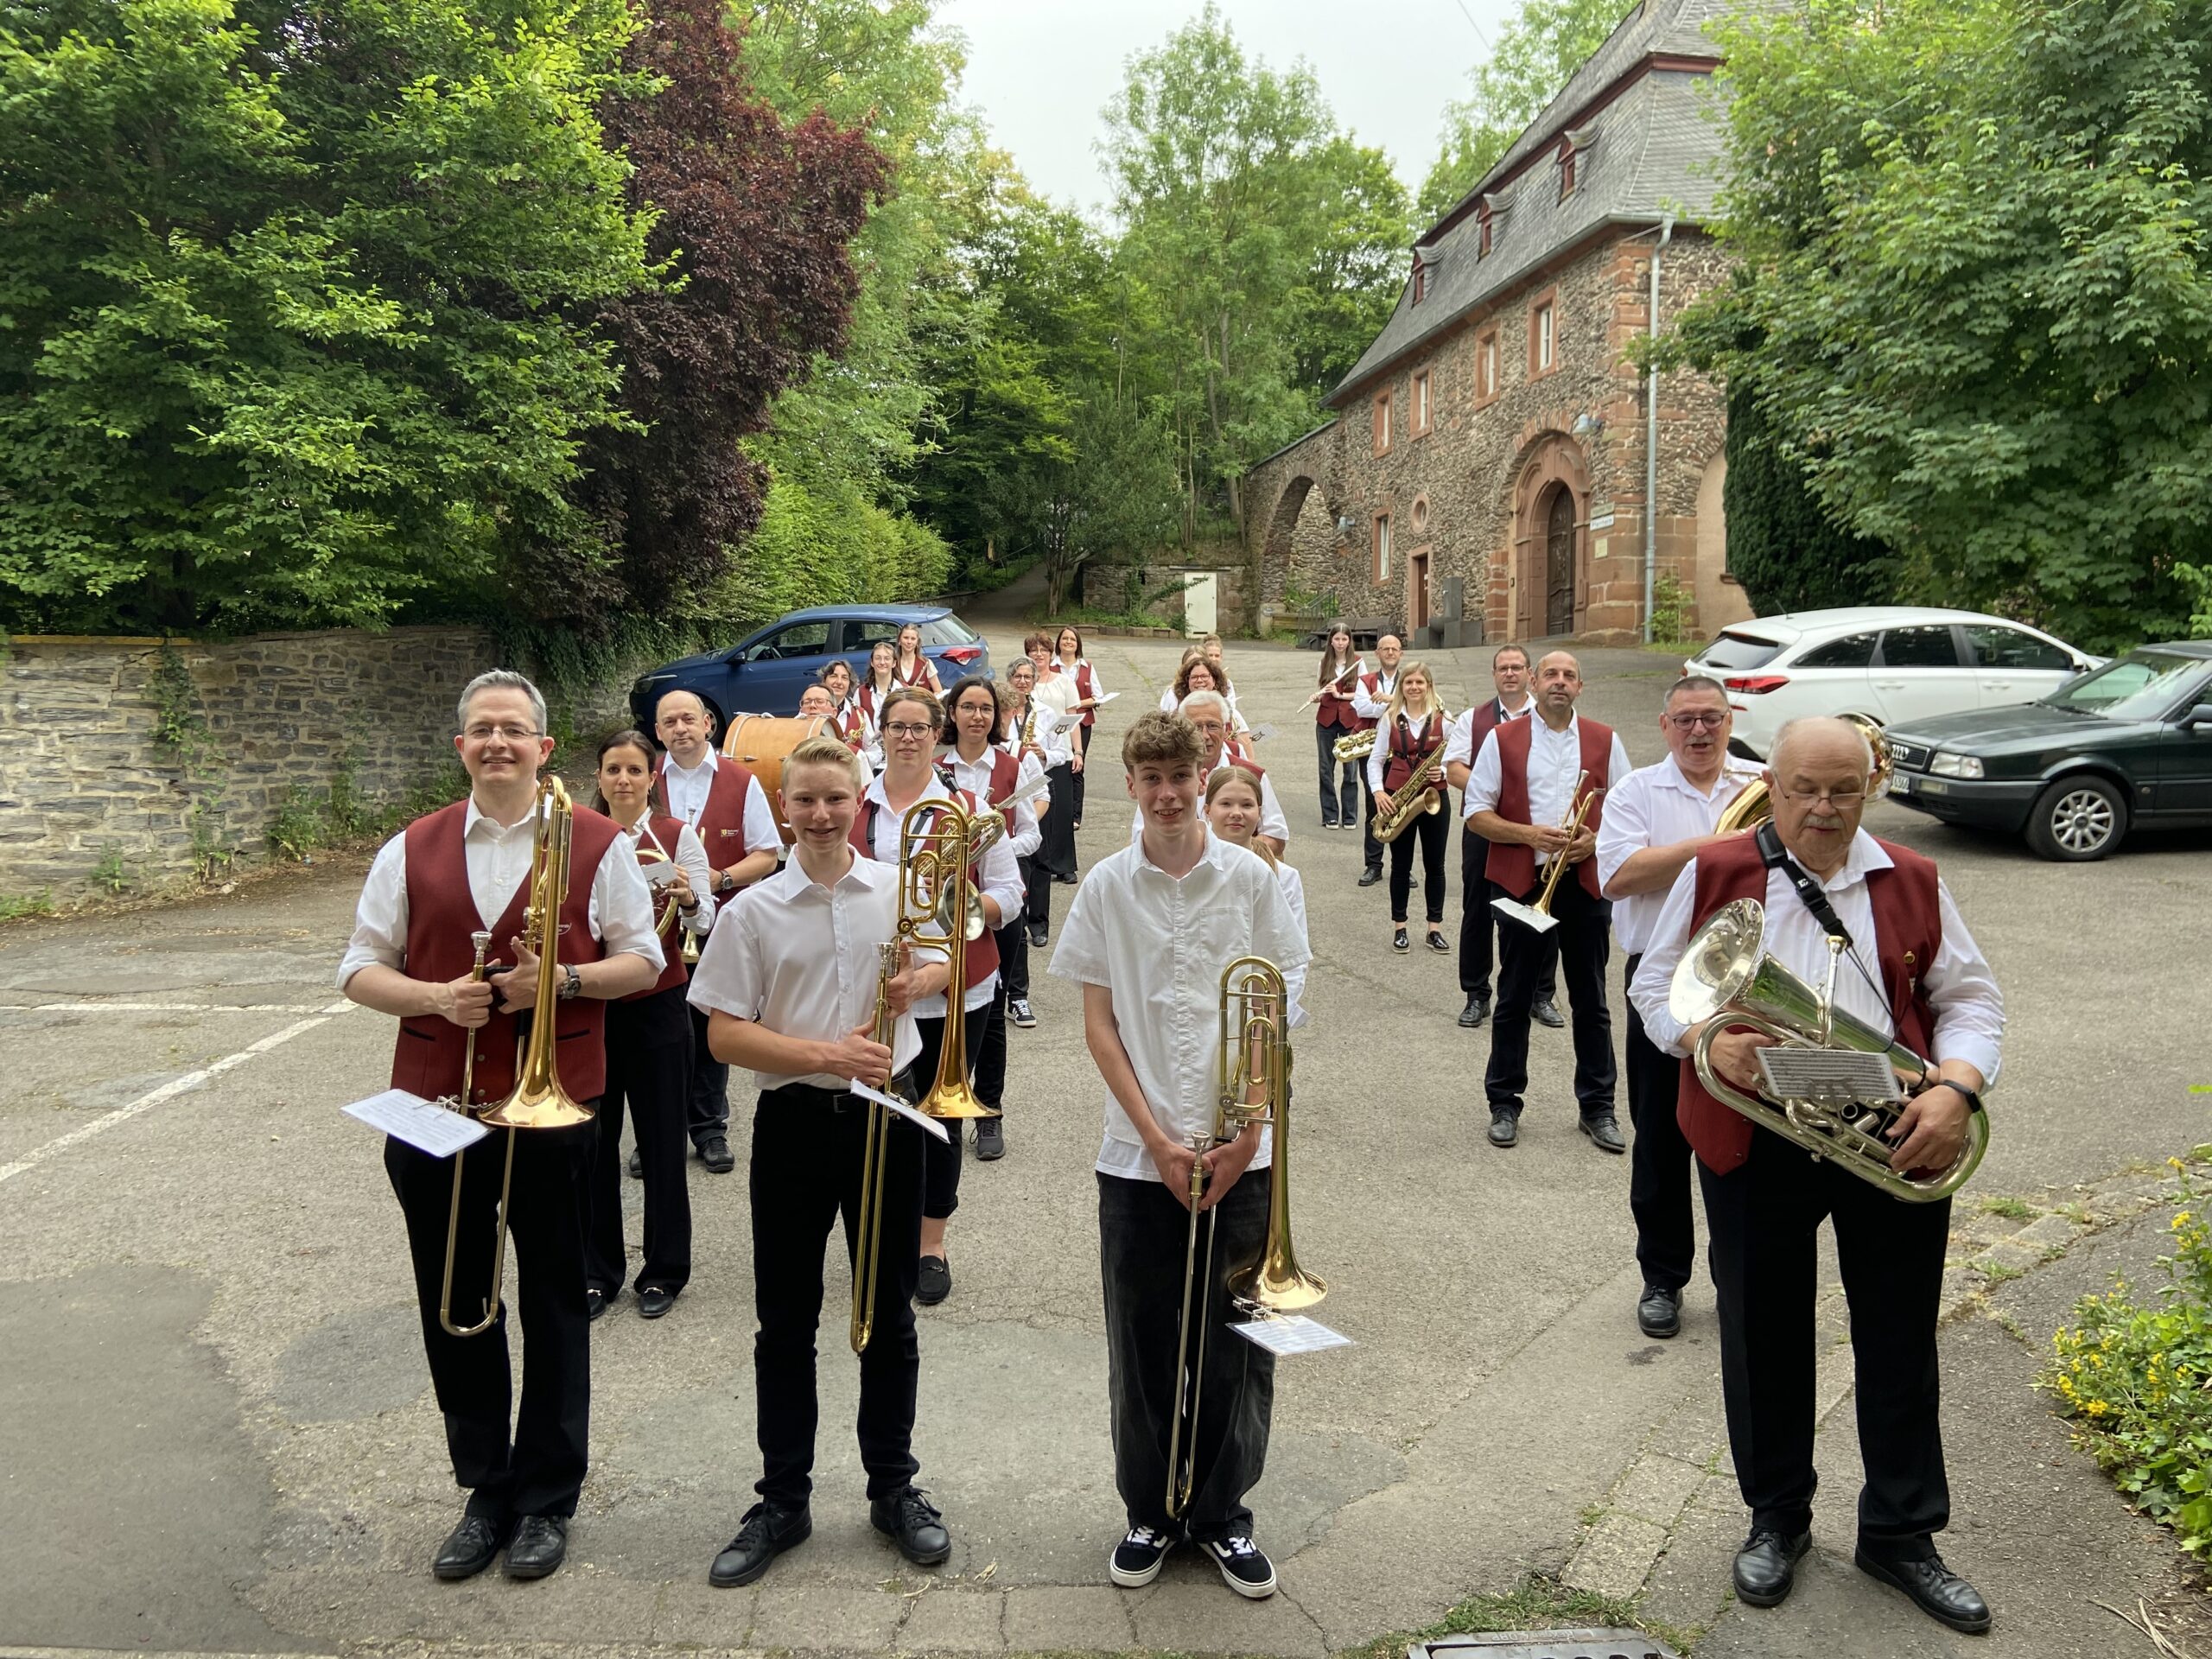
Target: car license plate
1900, 785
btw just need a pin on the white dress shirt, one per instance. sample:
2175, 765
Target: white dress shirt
1370, 707
1052, 694
801, 959
1169, 703
1001, 880
1459, 735
1023, 832
620, 912
1272, 820
689, 855
1554, 761
1056, 740
1159, 943
685, 792
1293, 979
1969, 1009
1378, 758
1656, 806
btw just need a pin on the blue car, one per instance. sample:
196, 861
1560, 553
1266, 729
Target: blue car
764, 673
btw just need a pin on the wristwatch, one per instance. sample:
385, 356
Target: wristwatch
1973, 1100
572, 982
723, 883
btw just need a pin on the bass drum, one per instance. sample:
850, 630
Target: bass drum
761, 743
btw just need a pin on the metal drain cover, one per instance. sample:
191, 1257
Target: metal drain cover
1544, 1645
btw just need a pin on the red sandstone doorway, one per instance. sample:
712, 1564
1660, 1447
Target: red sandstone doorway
1417, 592
1559, 565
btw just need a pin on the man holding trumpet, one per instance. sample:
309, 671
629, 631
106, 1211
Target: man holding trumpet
1529, 778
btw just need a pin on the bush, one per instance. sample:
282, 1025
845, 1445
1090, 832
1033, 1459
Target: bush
2137, 1380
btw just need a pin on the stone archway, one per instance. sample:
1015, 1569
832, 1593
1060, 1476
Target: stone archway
1283, 522
1550, 556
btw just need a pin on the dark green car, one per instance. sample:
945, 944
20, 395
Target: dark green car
2129, 744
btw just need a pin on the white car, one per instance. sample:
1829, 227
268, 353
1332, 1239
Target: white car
1889, 663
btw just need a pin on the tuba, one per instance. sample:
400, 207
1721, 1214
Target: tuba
1726, 978
538, 1101
1255, 1063
939, 909
1753, 805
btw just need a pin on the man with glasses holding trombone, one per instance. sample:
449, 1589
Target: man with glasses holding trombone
1657, 820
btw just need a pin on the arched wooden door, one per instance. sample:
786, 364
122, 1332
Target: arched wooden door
1559, 565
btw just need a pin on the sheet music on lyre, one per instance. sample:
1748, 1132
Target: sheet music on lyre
422, 1124
1291, 1333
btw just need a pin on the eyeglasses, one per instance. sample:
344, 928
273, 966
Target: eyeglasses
900, 728
1688, 722
1842, 799
512, 733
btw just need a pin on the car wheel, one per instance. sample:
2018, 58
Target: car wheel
2077, 819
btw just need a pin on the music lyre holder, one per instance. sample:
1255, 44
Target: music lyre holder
1538, 917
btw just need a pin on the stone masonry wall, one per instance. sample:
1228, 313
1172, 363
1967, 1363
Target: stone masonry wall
84, 776
1468, 492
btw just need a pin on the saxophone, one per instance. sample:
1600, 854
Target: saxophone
1416, 797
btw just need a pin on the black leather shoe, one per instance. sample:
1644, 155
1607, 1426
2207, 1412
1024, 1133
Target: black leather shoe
1370, 875
990, 1139
1659, 1313
469, 1549
637, 1166
910, 1518
1437, 943
764, 1534
538, 1548
1067, 880
714, 1153
1475, 1013
596, 1302
1546, 1012
1038, 937
1604, 1132
1943, 1594
1504, 1129
934, 1283
654, 1300
1398, 941
1766, 1567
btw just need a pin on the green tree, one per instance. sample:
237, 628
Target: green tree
1537, 52
1979, 315
284, 338
1783, 546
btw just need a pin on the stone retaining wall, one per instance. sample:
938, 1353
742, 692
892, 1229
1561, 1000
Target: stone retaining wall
89, 790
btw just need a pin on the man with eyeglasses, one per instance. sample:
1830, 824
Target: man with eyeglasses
1657, 819
1909, 967
452, 882
735, 823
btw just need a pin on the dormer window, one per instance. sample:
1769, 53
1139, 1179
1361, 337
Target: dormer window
1421, 280
1566, 168
1574, 146
1487, 213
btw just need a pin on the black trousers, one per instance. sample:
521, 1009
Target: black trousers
1036, 903
1765, 1219
1081, 735
941, 1159
990, 1048
1583, 938
648, 1066
1429, 829
539, 1469
1478, 921
1660, 1159
1055, 854
1143, 1244
808, 1145
707, 1111
1339, 793
1370, 849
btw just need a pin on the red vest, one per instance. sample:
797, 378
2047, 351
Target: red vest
924, 675
428, 1053
1336, 712
1405, 755
1371, 683
1234, 754
1908, 930
1086, 688
1512, 865
721, 821
868, 701
983, 960
673, 971
1483, 722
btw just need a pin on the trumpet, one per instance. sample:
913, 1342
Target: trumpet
1355, 746
537, 1100
1539, 915
867, 1250
939, 909
1255, 1062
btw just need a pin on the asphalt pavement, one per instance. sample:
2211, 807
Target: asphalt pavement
221, 1436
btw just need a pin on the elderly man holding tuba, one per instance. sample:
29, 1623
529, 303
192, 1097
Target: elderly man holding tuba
1907, 966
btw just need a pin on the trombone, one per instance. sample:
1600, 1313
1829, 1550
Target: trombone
538, 1101
1254, 1061
867, 1250
939, 909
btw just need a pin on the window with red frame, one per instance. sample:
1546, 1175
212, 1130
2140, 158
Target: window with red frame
1382, 424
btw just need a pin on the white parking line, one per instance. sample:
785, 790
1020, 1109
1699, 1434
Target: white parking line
168, 1090
90, 1006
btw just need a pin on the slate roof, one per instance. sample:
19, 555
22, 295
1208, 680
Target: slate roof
1649, 151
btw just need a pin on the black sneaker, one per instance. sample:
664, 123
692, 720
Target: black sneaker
1137, 1559
934, 1283
1244, 1566
990, 1139
766, 1533
1018, 1010
908, 1518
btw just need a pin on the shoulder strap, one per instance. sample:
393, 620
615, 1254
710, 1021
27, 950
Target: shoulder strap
1774, 856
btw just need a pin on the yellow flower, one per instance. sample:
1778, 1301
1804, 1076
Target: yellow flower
2095, 1408
2181, 1220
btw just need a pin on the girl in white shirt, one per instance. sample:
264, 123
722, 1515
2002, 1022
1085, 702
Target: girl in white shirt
1233, 812
1412, 729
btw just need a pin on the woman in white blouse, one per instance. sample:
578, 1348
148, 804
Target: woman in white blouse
1412, 730
1233, 813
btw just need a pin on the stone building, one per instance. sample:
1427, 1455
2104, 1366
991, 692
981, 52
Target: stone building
1490, 447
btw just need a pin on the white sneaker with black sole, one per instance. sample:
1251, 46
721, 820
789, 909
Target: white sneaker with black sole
1244, 1566
1018, 1011
1137, 1559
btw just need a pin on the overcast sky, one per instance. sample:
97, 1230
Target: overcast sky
1041, 70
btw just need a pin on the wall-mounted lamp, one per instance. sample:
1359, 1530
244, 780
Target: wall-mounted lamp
1587, 425
1344, 524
